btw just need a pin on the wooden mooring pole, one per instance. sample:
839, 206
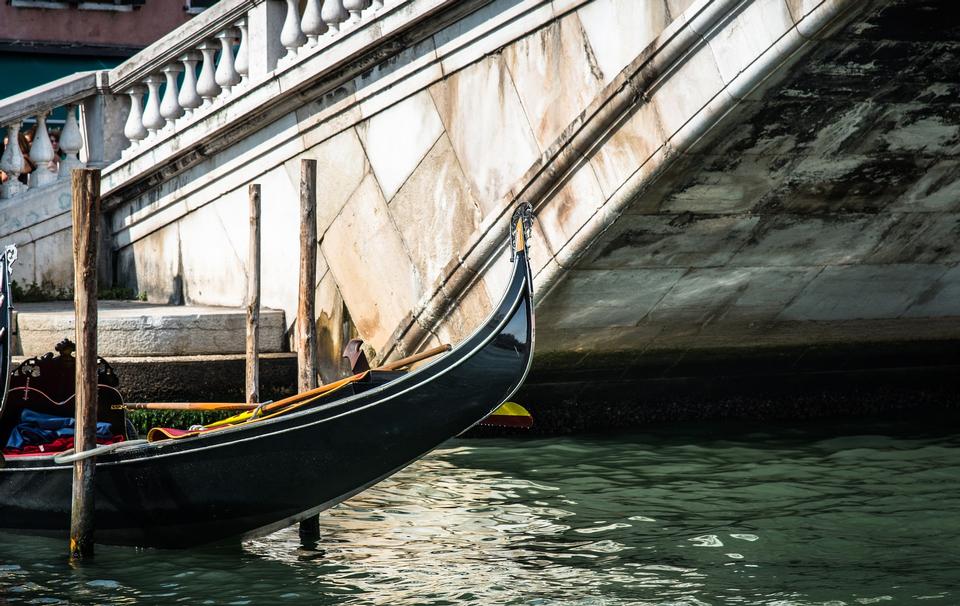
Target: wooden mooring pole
85, 183
253, 300
306, 316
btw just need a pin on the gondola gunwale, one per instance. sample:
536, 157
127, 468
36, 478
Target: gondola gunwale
519, 289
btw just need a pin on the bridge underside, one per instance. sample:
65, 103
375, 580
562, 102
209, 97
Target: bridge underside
813, 230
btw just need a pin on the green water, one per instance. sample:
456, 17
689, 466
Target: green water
859, 514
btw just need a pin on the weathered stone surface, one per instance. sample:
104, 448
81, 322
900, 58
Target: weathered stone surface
675, 8
732, 183
153, 266
397, 139
31, 214
435, 212
322, 119
936, 190
50, 271
628, 148
856, 292
747, 35
790, 240
684, 240
341, 167
919, 238
486, 124
218, 175
130, 328
618, 30
371, 265
24, 270
469, 312
687, 91
941, 300
487, 30
566, 212
217, 271
700, 297
621, 297
763, 293
412, 70
331, 318
496, 277
556, 76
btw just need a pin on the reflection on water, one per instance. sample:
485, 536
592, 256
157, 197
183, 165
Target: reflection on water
775, 517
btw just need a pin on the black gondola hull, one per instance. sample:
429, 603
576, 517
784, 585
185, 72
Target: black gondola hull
255, 478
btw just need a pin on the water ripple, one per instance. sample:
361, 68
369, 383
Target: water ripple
763, 517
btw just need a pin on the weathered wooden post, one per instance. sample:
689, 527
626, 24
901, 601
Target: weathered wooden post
86, 221
253, 299
306, 317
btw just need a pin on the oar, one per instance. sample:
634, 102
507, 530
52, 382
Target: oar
206, 406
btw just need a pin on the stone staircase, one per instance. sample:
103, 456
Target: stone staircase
167, 353
136, 329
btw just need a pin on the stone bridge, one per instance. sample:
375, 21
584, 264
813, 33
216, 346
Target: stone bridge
723, 188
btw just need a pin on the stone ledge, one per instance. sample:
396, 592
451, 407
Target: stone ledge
887, 378
202, 378
213, 378
132, 328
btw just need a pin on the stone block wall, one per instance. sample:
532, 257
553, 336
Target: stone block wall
415, 158
713, 173
39, 223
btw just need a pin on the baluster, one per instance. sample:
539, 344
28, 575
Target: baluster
41, 153
227, 75
71, 142
188, 98
170, 105
151, 113
333, 14
242, 64
355, 7
134, 129
291, 37
312, 24
12, 163
377, 4
207, 84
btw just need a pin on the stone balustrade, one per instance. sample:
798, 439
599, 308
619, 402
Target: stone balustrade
208, 71
178, 80
31, 157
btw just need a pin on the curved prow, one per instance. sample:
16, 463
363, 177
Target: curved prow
6, 328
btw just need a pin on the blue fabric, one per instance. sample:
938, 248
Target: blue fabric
37, 428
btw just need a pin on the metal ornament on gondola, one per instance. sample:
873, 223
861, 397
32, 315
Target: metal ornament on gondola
524, 215
6, 328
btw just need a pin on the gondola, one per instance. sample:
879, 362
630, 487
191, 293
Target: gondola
257, 477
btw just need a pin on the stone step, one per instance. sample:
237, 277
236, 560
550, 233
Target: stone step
134, 328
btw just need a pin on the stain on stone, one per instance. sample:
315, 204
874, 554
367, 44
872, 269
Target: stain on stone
630, 239
595, 70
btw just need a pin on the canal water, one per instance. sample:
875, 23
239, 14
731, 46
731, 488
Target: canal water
864, 513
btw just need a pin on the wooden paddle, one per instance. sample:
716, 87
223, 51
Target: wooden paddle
206, 406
